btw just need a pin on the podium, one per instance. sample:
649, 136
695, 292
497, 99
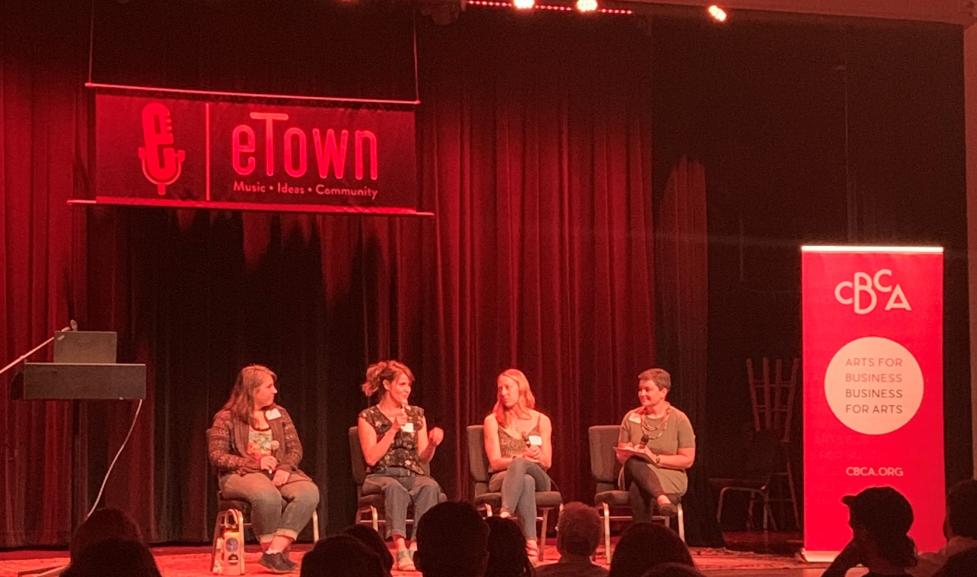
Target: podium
84, 368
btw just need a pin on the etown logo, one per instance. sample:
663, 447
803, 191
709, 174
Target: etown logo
161, 162
863, 292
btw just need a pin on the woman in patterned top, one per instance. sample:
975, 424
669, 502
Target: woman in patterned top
655, 446
518, 444
397, 446
256, 450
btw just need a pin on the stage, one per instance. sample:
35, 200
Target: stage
747, 553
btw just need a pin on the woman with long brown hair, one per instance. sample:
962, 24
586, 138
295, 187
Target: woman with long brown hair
256, 450
519, 447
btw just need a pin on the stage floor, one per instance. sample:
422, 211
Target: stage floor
747, 553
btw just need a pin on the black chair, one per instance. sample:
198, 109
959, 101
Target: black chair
760, 464
608, 497
370, 504
490, 501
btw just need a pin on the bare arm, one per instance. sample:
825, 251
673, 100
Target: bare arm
493, 451
374, 449
623, 442
432, 438
546, 450
683, 460
423, 446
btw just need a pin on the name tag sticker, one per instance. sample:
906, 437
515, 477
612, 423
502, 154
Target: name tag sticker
535, 440
407, 427
635, 418
273, 414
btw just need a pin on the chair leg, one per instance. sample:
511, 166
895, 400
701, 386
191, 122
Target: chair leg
315, 526
488, 510
751, 505
790, 487
542, 535
768, 512
719, 506
680, 519
374, 518
606, 510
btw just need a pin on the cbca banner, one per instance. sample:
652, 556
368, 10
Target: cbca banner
873, 387
253, 155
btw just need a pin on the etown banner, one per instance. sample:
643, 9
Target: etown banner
873, 386
253, 155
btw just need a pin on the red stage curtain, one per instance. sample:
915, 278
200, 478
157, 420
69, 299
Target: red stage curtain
534, 152
681, 248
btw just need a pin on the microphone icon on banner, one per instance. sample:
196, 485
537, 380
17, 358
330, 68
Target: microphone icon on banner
161, 162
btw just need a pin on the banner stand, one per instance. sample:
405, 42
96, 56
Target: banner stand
873, 387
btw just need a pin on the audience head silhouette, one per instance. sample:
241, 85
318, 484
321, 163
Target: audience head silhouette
103, 524
374, 542
452, 541
961, 509
506, 549
646, 545
578, 530
114, 557
880, 518
341, 556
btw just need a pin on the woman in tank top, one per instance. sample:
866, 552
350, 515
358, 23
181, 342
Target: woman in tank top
518, 444
397, 446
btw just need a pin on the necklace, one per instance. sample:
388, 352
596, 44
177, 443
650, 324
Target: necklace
654, 431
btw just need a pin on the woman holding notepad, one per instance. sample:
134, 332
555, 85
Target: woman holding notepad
655, 447
518, 444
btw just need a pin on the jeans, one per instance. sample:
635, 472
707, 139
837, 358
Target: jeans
519, 484
399, 491
284, 510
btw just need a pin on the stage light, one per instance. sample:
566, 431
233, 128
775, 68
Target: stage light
586, 5
523, 4
717, 13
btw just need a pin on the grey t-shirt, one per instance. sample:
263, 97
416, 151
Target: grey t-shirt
664, 436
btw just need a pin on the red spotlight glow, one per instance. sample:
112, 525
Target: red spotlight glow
523, 4
717, 13
586, 5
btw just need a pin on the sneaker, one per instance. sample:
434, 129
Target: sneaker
276, 563
404, 561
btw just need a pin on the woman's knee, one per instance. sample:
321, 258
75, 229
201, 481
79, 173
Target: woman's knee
528, 484
308, 494
265, 499
518, 466
430, 489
